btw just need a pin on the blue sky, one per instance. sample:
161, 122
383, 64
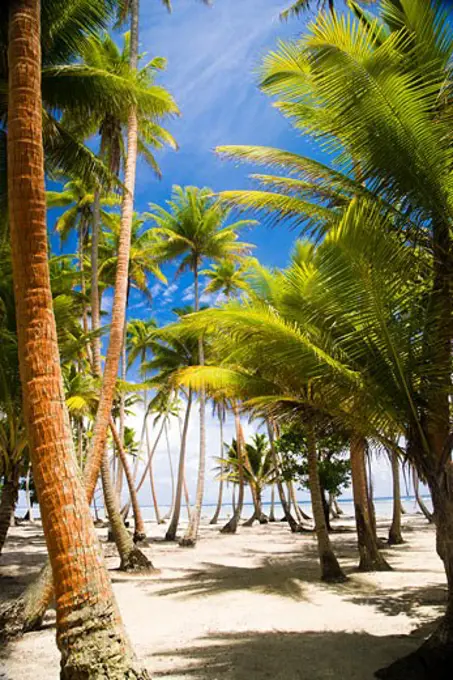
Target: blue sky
213, 54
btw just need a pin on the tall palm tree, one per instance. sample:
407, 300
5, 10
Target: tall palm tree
81, 585
172, 351
192, 229
163, 105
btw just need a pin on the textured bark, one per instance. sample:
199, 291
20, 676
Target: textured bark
123, 371
121, 284
370, 557
172, 472
258, 514
95, 302
231, 526
272, 510
191, 535
139, 525
26, 612
10, 492
151, 472
429, 516
293, 525
434, 659
132, 559
332, 508
215, 517
173, 527
83, 590
395, 537
330, 569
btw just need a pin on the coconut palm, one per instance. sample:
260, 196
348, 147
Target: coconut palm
173, 351
258, 472
79, 585
191, 229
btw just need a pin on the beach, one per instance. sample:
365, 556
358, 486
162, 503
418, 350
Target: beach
250, 606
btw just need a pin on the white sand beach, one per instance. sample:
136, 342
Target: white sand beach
250, 606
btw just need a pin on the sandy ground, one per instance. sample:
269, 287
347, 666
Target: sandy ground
250, 607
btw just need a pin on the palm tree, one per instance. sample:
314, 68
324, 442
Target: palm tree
162, 104
258, 471
173, 351
80, 585
191, 229
395, 537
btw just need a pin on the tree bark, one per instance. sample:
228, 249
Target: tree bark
215, 518
330, 569
272, 510
90, 635
429, 516
231, 526
121, 283
150, 470
172, 472
132, 559
395, 537
191, 535
139, 525
10, 492
370, 557
173, 527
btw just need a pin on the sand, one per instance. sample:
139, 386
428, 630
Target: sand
250, 607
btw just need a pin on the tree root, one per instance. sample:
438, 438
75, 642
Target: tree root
136, 562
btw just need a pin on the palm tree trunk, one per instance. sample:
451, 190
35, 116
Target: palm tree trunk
95, 300
121, 283
232, 524
187, 499
256, 512
233, 498
330, 569
27, 611
81, 239
215, 518
80, 442
150, 453
90, 634
150, 471
191, 535
370, 497
123, 370
173, 527
132, 559
10, 492
429, 516
293, 525
172, 473
395, 537
370, 557
272, 510
28, 495
140, 531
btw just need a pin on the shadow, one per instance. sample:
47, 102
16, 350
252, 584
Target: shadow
286, 577
411, 601
283, 656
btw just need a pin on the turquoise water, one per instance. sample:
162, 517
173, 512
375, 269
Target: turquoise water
384, 508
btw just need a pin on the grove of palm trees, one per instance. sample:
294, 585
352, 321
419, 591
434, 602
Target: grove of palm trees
226, 325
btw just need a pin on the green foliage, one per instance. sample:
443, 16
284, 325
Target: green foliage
333, 466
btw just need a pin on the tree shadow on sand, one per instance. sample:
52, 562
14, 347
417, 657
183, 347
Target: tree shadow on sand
283, 656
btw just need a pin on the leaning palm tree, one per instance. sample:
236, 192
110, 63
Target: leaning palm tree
191, 229
81, 586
